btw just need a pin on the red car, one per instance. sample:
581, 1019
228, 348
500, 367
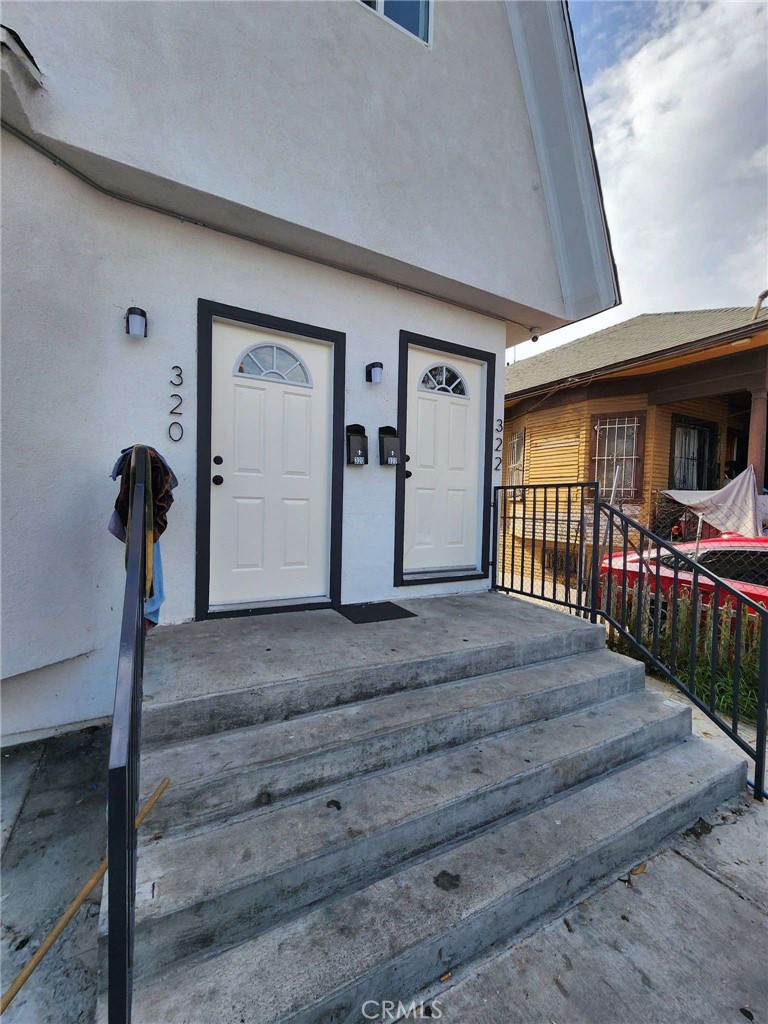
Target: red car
741, 561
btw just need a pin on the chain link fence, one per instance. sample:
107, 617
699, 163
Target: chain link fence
742, 561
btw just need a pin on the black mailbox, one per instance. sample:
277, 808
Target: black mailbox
389, 447
357, 445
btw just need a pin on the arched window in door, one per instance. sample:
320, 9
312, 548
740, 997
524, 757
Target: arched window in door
444, 379
273, 362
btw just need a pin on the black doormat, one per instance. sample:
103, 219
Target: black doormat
374, 611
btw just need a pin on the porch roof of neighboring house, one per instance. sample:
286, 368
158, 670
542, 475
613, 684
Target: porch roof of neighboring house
634, 342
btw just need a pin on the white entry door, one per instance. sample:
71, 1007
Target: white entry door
271, 442
444, 439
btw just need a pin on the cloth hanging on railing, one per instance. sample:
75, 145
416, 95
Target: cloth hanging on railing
163, 481
159, 483
731, 509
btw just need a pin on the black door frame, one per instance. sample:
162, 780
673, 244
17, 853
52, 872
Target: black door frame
207, 312
408, 338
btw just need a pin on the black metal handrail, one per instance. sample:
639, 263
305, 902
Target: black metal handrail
696, 630
124, 755
701, 633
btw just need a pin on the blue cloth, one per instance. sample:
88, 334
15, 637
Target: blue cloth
152, 604
115, 526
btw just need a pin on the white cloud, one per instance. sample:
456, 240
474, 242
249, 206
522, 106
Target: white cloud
681, 135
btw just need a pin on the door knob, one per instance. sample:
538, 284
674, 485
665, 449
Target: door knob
408, 474
217, 460
218, 479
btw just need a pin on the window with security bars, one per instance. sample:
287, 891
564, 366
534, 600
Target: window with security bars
617, 454
513, 469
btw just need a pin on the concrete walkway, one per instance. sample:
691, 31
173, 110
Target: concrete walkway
684, 940
54, 837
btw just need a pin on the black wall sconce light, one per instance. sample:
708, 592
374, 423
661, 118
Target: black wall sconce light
373, 372
136, 322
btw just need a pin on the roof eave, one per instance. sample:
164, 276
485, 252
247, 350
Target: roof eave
735, 334
562, 136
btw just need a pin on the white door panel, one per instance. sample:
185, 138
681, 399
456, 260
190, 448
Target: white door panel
272, 427
443, 497
250, 442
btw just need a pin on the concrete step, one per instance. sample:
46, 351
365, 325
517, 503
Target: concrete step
396, 936
239, 677
221, 886
236, 771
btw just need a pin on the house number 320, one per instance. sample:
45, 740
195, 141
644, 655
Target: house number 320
175, 428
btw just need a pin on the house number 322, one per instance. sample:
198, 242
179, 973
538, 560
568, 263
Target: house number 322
175, 427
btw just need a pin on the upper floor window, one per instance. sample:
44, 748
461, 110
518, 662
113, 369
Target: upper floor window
617, 455
411, 15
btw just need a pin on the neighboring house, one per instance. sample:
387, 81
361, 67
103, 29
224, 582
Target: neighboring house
305, 198
665, 400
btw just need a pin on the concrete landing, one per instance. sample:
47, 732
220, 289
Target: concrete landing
218, 655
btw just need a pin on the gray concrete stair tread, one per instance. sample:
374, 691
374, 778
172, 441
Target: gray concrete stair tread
401, 933
184, 660
389, 815
277, 742
202, 689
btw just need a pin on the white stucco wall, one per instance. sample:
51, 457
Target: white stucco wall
76, 390
387, 149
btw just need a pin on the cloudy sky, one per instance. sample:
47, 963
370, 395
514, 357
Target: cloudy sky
677, 97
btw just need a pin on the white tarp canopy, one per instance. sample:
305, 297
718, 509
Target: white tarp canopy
735, 508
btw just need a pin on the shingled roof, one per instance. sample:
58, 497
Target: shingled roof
634, 340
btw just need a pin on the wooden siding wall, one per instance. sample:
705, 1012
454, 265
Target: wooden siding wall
557, 440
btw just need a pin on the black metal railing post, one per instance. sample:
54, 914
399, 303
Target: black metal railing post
495, 539
762, 712
595, 561
124, 757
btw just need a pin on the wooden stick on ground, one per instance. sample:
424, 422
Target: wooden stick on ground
72, 909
